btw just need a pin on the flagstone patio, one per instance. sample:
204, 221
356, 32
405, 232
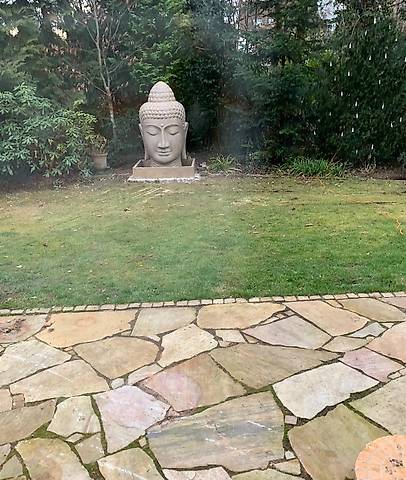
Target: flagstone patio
272, 390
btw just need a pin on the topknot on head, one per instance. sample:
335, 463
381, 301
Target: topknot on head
161, 92
161, 104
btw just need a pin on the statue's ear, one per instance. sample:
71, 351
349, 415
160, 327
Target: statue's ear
184, 155
142, 135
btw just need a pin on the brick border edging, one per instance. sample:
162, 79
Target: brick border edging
195, 303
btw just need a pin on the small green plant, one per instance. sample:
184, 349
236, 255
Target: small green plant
314, 167
222, 164
99, 144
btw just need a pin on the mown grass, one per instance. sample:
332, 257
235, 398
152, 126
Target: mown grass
114, 242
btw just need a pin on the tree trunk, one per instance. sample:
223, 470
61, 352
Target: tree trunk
110, 105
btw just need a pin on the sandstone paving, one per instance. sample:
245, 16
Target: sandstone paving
117, 356
386, 406
154, 321
90, 449
74, 415
18, 328
126, 413
142, 373
67, 329
211, 474
239, 435
290, 332
260, 365
5, 400
269, 474
66, 380
371, 363
328, 446
23, 422
374, 309
185, 343
186, 386
345, 344
57, 461
334, 321
396, 302
233, 336
373, 329
11, 469
392, 343
4, 451
308, 393
23, 359
290, 466
236, 315
129, 464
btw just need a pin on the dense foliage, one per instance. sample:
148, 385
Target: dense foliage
36, 134
269, 81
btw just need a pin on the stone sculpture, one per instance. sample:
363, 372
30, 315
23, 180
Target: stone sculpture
163, 128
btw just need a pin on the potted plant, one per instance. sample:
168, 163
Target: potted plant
99, 152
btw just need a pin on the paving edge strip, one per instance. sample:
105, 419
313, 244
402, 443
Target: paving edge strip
195, 303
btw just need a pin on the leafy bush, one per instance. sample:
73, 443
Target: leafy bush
48, 139
314, 167
222, 164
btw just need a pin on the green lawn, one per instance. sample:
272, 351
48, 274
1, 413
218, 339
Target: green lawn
111, 242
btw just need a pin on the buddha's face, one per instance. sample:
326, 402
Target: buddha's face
164, 140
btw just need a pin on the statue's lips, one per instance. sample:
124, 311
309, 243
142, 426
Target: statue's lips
164, 154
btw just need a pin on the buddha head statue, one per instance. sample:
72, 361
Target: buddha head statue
163, 128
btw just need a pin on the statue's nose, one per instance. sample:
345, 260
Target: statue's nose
163, 141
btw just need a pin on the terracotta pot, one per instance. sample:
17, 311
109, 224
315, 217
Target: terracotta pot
99, 161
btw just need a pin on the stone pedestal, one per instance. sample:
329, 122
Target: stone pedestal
143, 173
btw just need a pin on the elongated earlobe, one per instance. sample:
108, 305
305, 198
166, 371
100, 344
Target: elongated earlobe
145, 150
184, 154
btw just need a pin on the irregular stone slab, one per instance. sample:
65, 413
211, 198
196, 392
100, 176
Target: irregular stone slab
382, 459
154, 321
23, 422
345, 344
194, 383
328, 446
373, 330
392, 343
211, 474
4, 451
396, 302
75, 437
259, 365
374, 309
5, 400
18, 328
66, 380
308, 393
90, 449
142, 373
57, 461
371, 363
236, 315
239, 435
25, 358
386, 406
334, 321
126, 413
129, 464
264, 475
291, 466
185, 343
117, 356
233, 336
11, 469
67, 329
290, 332
74, 415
